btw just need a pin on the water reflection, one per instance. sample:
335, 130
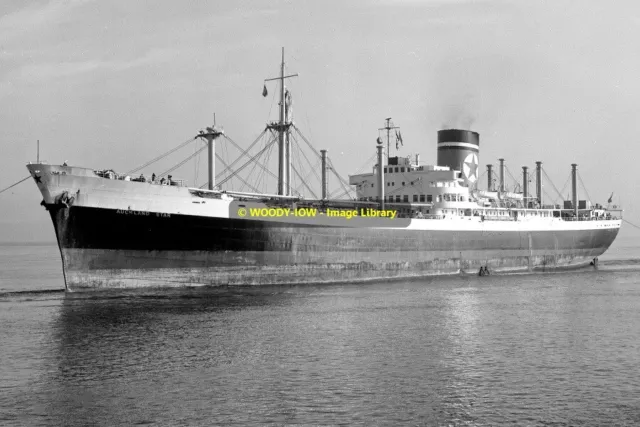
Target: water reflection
119, 349
455, 351
462, 316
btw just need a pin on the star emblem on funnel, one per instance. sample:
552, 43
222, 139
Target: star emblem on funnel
470, 167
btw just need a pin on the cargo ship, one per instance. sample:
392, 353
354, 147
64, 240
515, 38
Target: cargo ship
406, 220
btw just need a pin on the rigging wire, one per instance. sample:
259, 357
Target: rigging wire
183, 162
515, 180
247, 163
150, 162
584, 187
336, 173
337, 196
294, 159
549, 197
246, 152
196, 168
273, 99
255, 164
261, 176
306, 141
565, 186
306, 177
252, 188
315, 172
551, 182
224, 155
266, 171
305, 113
475, 184
332, 195
305, 184
365, 164
313, 167
297, 150
344, 193
13, 185
318, 155
234, 181
630, 223
342, 182
273, 143
243, 182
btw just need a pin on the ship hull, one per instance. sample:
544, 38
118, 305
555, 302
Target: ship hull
105, 248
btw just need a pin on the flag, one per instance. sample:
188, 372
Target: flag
610, 198
399, 137
397, 146
264, 91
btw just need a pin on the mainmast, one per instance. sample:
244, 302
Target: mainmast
388, 128
282, 127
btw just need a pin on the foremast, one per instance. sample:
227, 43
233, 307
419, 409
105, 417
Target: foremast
210, 136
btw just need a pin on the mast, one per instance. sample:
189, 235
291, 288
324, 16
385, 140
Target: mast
210, 136
388, 128
539, 183
325, 186
574, 188
380, 173
282, 127
283, 178
525, 186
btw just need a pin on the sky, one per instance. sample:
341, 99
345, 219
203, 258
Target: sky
112, 84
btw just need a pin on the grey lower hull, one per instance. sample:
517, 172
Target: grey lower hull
138, 270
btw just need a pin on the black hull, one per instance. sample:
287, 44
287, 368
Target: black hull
106, 248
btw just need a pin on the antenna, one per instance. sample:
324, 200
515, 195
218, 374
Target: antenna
38, 153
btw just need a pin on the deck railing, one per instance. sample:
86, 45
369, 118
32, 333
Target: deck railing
608, 218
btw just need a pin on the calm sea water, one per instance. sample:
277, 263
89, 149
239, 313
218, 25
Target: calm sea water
542, 350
